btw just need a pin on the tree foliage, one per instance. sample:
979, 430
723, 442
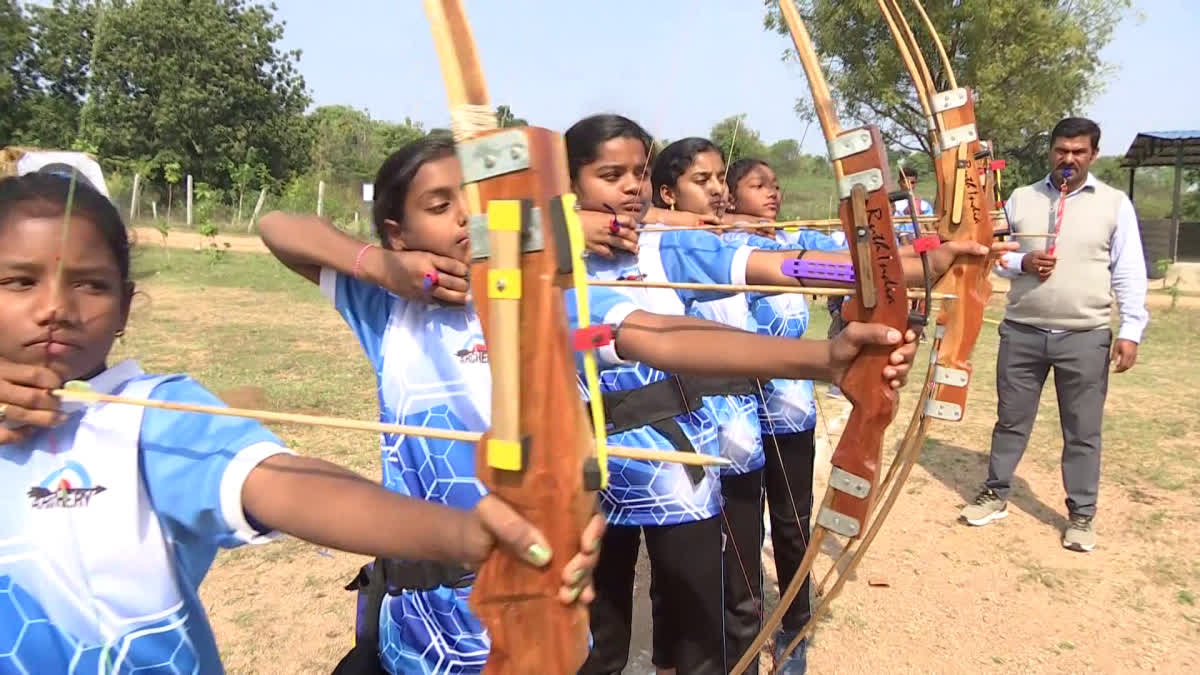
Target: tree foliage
505, 118
737, 140
48, 49
1029, 63
200, 82
349, 146
16, 48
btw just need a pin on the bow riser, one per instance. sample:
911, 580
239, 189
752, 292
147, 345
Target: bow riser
966, 215
531, 630
882, 298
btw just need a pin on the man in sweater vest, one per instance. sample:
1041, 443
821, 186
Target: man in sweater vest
1058, 316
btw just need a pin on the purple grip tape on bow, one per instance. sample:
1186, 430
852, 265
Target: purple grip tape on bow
814, 269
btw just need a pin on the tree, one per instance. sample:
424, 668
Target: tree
348, 146
342, 140
1191, 195
63, 35
505, 118
736, 140
1030, 65
393, 136
198, 80
16, 81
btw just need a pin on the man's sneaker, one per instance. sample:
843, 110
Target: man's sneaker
1080, 535
987, 507
795, 663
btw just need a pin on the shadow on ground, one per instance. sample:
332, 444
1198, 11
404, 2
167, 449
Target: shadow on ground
963, 470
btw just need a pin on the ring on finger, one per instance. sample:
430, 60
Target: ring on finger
3, 412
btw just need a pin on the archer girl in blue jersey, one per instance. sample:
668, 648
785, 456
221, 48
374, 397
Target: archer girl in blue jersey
787, 411
606, 157
111, 515
427, 349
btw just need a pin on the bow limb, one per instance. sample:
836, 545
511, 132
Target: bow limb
937, 41
966, 207
862, 173
536, 454
911, 56
906, 456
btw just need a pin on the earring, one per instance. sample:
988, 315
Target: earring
672, 206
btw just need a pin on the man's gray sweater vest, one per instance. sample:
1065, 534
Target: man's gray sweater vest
1078, 294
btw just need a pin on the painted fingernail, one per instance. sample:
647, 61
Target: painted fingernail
577, 577
574, 595
538, 555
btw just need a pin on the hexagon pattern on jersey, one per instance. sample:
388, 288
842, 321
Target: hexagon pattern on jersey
30, 643
432, 631
787, 405
453, 640
655, 493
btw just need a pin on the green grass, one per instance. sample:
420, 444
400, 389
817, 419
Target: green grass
248, 322
249, 271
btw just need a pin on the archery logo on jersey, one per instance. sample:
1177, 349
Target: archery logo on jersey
476, 353
67, 488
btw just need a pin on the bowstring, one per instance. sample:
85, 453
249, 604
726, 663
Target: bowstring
52, 434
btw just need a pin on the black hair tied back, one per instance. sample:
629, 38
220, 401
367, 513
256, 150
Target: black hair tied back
674, 161
394, 178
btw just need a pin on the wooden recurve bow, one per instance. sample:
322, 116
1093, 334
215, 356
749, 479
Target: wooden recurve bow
863, 177
909, 447
960, 321
965, 205
539, 455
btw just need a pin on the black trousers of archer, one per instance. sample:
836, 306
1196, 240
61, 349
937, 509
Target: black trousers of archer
741, 540
686, 597
789, 483
743, 528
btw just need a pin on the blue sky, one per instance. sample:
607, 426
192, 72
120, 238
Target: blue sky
675, 66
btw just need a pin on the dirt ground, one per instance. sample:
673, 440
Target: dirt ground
942, 597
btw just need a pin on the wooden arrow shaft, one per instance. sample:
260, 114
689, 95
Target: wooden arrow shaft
688, 458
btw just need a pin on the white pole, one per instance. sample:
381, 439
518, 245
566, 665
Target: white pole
133, 200
320, 199
262, 195
189, 200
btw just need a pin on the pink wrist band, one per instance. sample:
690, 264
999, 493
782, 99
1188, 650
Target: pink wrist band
358, 260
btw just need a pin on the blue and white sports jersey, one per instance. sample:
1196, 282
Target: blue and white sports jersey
109, 523
432, 369
787, 406
652, 493
737, 415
